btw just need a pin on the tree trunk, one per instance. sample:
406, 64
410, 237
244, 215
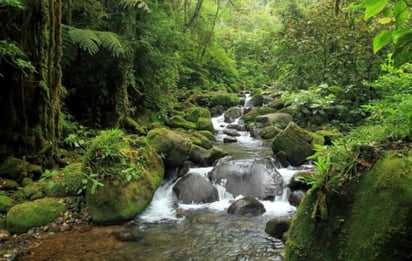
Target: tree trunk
31, 124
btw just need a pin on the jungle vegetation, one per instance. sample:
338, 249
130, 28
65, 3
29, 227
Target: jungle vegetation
69, 67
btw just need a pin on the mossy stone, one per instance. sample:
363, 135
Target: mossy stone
8, 184
367, 220
68, 182
178, 121
295, 142
205, 124
269, 132
251, 116
218, 98
194, 113
208, 134
276, 227
120, 199
172, 145
17, 169
34, 191
22, 217
5, 203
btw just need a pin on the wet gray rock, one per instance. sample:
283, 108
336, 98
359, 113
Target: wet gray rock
253, 177
246, 206
193, 188
277, 227
233, 113
296, 197
229, 139
231, 132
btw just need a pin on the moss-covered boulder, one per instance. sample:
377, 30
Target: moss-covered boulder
172, 145
22, 217
276, 227
269, 132
6, 203
17, 169
194, 113
178, 121
213, 99
32, 191
67, 182
8, 184
277, 119
205, 124
367, 220
295, 142
233, 113
197, 138
251, 115
206, 157
129, 171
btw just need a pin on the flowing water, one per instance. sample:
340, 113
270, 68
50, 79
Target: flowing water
168, 230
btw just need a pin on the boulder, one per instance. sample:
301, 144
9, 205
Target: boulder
193, 188
204, 157
68, 182
251, 115
129, 177
178, 121
269, 132
276, 227
8, 184
5, 203
205, 124
278, 119
296, 197
233, 113
22, 217
215, 99
295, 142
246, 206
17, 169
253, 177
231, 132
229, 139
194, 113
172, 145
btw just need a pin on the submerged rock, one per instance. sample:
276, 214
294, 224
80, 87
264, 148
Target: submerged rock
193, 188
246, 206
254, 177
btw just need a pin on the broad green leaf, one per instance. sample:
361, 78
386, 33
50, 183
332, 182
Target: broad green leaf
401, 13
381, 40
373, 7
385, 20
398, 34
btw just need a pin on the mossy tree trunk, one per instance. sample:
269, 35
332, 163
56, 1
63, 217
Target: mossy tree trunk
31, 107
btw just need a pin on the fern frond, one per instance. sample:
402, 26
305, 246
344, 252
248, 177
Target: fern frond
69, 47
14, 3
133, 3
86, 39
112, 42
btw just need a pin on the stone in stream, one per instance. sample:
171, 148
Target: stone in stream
253, 177
193, 188
246, 206
229, 139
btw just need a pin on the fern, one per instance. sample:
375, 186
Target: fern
133, 3
86, 39
112, 42
90, 41
14, 3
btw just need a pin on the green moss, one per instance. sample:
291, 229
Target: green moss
22, 217
251, 116
178, 121
213, 99
194, 113
209, 135
68, 182
369, 220
174, 146
269, 132
205, 124
5, 203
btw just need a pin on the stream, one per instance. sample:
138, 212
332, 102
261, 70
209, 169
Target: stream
169, 230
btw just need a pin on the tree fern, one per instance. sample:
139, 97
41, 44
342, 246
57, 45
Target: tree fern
112, 42
86, 39
91, 41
